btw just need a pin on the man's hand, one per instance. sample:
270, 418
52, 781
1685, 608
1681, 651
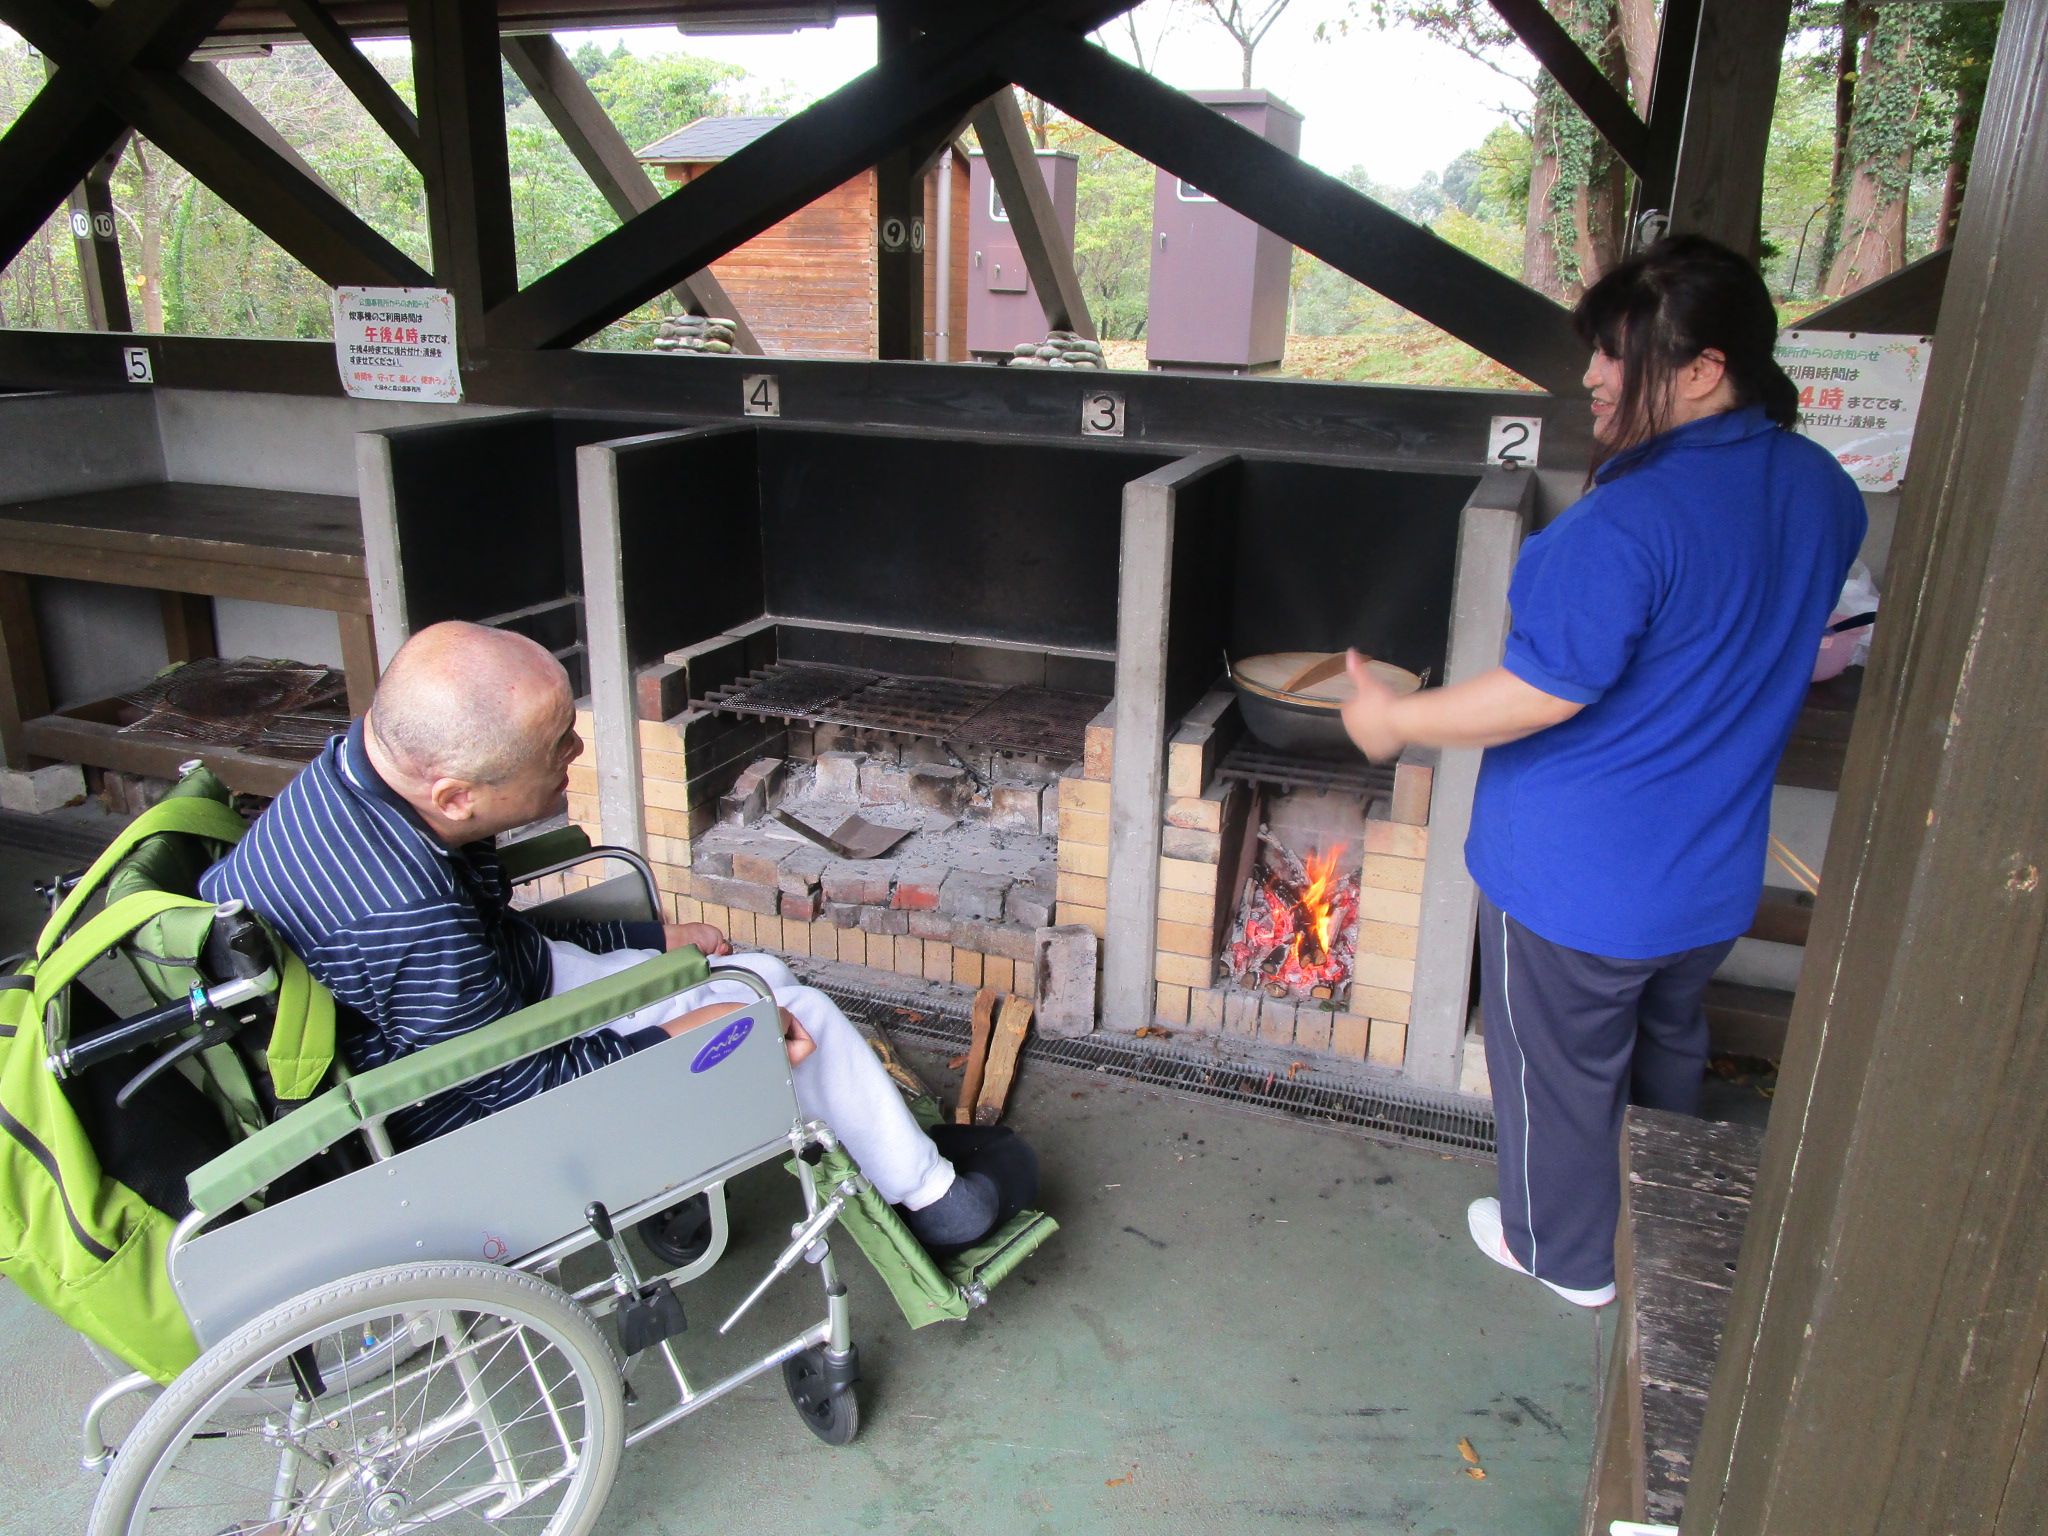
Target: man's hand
796, 1038
1369, 713
707, 938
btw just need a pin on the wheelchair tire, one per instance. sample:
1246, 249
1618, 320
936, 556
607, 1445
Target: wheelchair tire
518, 1387
832, 1415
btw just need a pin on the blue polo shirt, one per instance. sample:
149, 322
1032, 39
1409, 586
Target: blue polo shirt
1681, 601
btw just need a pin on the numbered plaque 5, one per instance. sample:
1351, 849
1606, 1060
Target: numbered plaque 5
1102, 413
135, 365
760, 395
1515, 440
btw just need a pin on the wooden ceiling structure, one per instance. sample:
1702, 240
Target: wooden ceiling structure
1885, 1368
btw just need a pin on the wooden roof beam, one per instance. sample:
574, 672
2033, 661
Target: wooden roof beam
931, 83
1423, 273
608, 160
1606, 108
1048, 256
364, 80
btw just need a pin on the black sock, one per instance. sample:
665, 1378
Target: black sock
962, 1214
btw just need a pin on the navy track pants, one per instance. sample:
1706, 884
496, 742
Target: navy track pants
1572, 1039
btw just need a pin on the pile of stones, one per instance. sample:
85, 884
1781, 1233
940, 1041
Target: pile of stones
1060, 349
694, 333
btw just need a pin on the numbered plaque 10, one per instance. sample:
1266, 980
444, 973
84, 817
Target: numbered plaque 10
1515, 440
1102, 413
760, 395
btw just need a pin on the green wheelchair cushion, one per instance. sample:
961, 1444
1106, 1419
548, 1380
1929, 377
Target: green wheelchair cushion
926, 1291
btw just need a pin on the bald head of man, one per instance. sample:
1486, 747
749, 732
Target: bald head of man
475, 729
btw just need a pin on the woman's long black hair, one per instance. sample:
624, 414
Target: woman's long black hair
1662, 307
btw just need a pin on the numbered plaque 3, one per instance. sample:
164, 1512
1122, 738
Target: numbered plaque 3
1102, 413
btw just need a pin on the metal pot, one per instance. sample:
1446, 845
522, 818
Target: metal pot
1291, 700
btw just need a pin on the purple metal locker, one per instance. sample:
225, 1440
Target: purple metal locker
1002, 311
1218, 297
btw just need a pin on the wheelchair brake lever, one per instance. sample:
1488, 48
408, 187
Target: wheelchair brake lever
213, 1034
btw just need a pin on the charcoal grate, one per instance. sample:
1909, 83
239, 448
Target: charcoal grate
1390, 1110
1041, 722
786, 690
278, 708
1254, 764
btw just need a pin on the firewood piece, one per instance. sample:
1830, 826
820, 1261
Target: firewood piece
1002, 1059
977, 1056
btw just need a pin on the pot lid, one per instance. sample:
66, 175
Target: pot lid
1314, 676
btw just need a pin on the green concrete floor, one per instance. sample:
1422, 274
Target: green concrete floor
1245, 1325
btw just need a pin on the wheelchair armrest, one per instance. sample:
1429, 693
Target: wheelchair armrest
565, 848
345, 1108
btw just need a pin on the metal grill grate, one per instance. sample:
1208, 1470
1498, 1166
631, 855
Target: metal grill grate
1254, 764
1414, 1116
1039, 721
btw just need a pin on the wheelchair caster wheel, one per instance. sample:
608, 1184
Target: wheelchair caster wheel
822, 1390
680, 1235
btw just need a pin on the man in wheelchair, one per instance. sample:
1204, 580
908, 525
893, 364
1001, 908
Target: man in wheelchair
378, 866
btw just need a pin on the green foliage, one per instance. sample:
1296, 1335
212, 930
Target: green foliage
649, 96
1112, 227
1796, 169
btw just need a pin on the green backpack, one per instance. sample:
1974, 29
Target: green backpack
81, 1240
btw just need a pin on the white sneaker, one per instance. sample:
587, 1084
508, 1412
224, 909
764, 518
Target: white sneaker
1482, 1220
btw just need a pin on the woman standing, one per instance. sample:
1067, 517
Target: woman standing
1663, 637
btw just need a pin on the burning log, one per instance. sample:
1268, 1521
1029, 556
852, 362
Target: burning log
1296, 928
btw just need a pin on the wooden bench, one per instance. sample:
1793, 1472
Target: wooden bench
1686, 1186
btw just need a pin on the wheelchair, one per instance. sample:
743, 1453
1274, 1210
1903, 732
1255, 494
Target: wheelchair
381, 1338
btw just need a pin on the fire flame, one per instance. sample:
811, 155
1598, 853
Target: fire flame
1299, 937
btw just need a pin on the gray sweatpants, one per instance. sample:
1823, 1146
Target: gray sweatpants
1572, 1039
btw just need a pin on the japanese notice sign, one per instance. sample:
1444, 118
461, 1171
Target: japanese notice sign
396, 343
1859, 392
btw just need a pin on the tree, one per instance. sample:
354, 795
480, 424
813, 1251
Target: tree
1867, 227
1247, 21
1112, 228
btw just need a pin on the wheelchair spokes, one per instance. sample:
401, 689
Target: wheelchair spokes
501, 1421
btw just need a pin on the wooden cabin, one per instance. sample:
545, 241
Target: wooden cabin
807, 286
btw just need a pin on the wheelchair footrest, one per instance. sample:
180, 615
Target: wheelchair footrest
985, 1265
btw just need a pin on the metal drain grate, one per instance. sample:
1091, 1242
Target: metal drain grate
1414, 1116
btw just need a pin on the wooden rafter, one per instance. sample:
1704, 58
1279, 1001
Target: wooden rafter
109, 79
934, 81
608, 160
1606, 108
1485, 308
365, 82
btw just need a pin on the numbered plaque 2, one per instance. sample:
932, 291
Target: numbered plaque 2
1515, 440
760, 395
1102, 413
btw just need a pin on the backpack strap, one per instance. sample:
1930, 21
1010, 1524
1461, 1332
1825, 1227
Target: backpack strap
194, 815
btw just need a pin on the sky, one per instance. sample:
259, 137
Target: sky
1394, 102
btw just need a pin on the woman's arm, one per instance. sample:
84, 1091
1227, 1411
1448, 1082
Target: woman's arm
1483, 711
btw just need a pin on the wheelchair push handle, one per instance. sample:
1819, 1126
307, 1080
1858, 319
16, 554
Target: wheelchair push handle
237, 945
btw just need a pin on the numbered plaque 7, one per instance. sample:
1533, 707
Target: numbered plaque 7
1102, 413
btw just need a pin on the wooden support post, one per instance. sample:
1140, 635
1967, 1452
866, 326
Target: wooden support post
608, 160
188, 626
97, 235
383, 559
469, 180
1670, 78
1717, 186
358, 659
615, 715
900, 233
1048, 252
24, 685
1137, 774
1489, 538
1882, 1369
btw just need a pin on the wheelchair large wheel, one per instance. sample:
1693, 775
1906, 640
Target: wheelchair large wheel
511, 1416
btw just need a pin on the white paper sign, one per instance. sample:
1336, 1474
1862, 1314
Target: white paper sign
1859, 393
396, 344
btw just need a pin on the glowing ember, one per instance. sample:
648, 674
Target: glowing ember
1297, 925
